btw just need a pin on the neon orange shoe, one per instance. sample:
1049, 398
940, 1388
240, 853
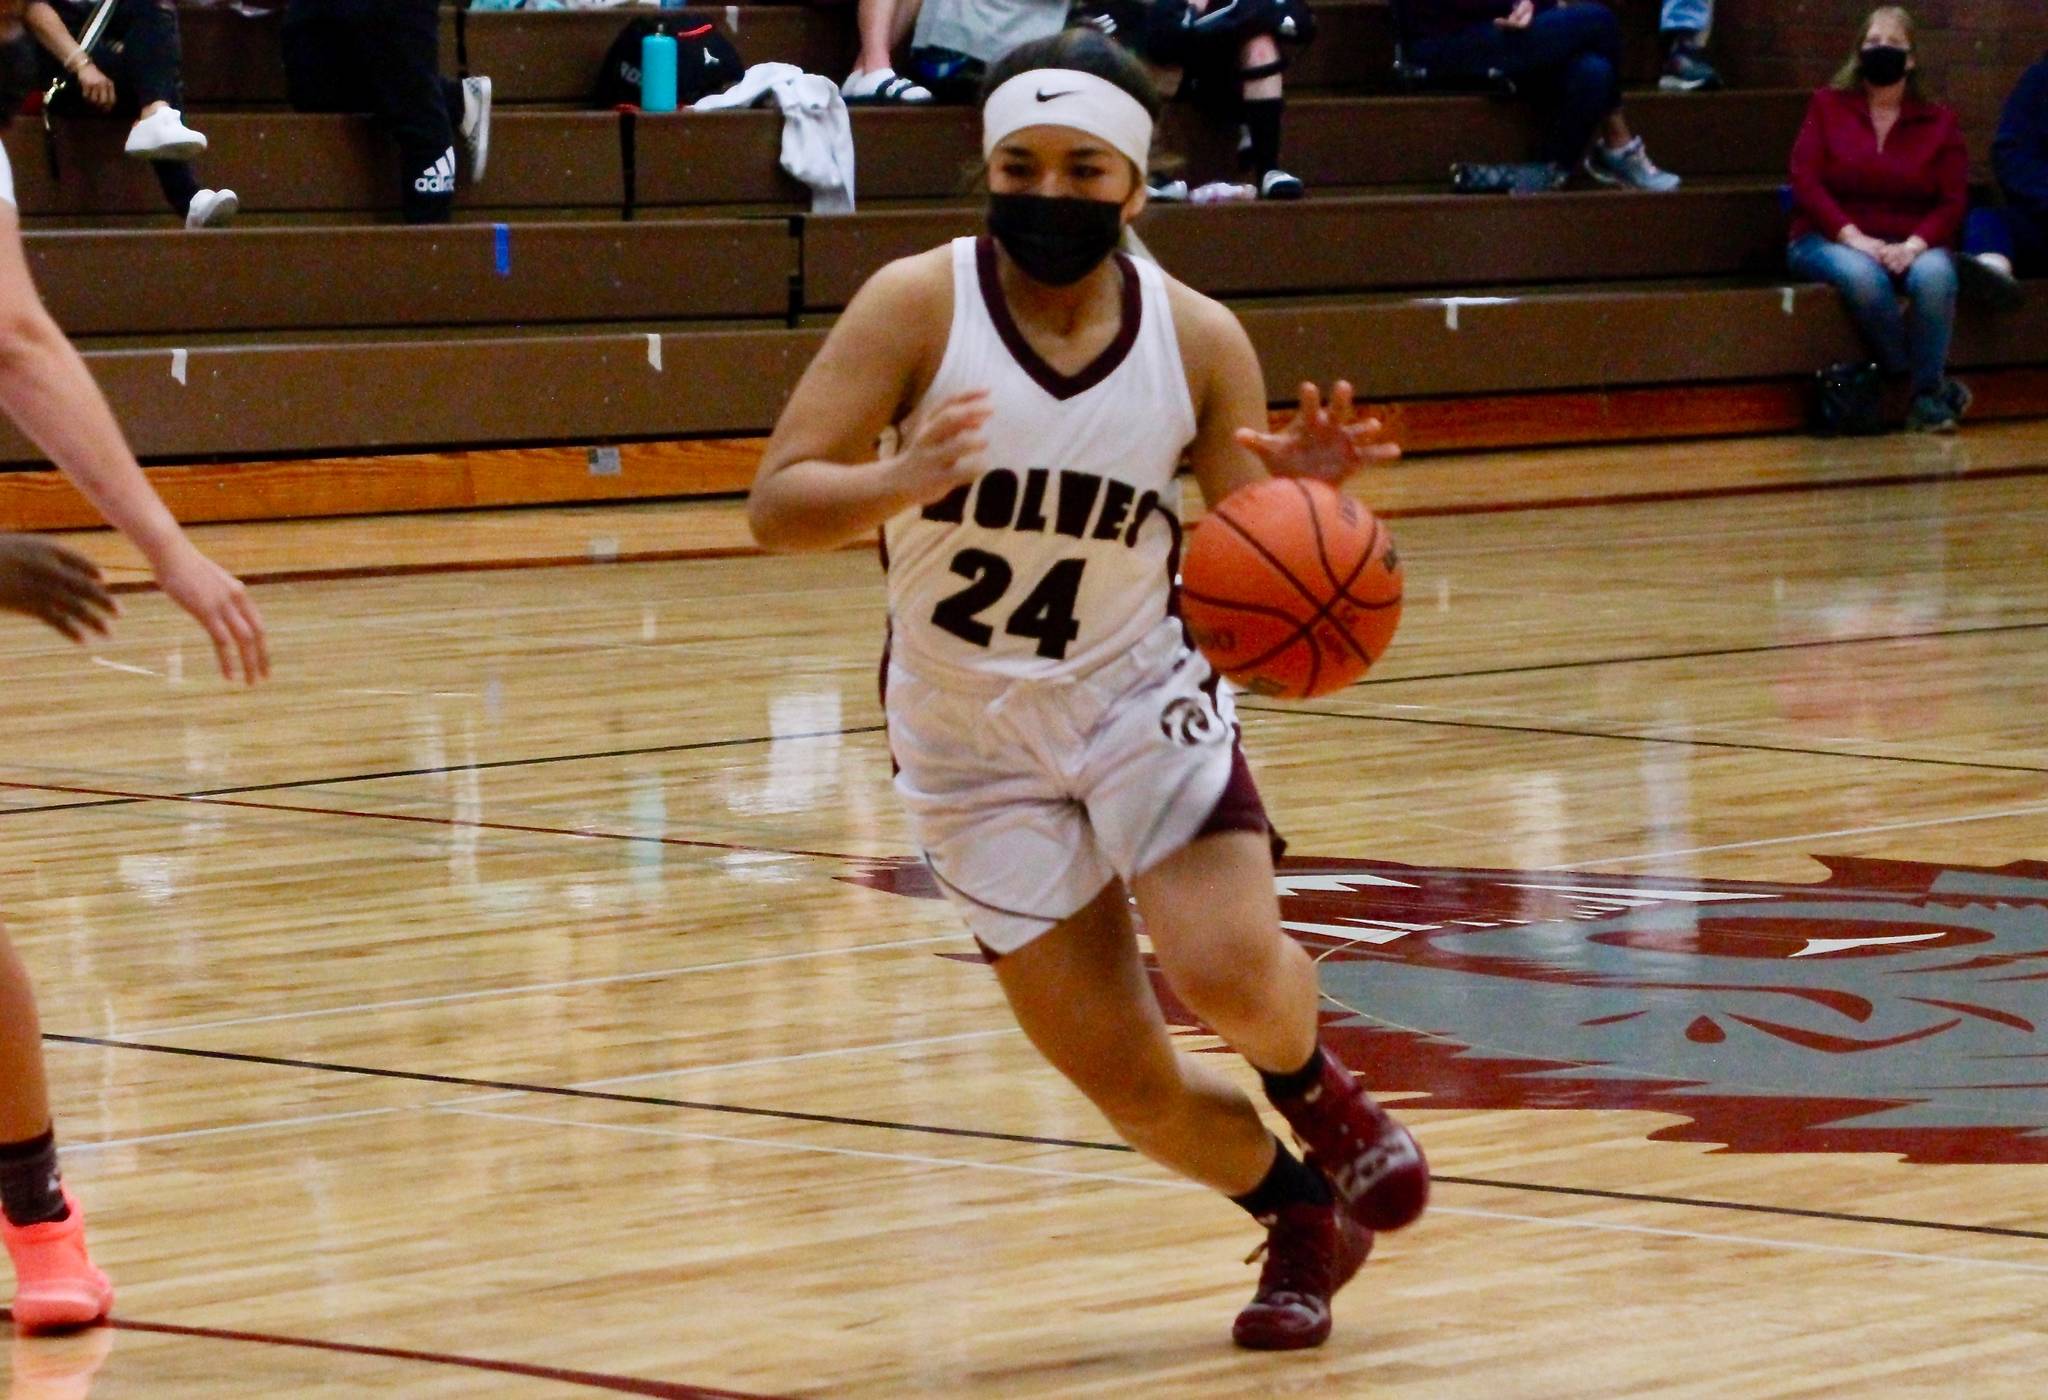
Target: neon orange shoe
55, 1284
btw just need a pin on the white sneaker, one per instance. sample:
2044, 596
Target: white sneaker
1223, 192
475, 126
1628, 167
212, 209
163, 135
1167, 191
879, 86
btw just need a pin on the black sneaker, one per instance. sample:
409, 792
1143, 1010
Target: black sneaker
1278, 184
1988, 284
1686, 70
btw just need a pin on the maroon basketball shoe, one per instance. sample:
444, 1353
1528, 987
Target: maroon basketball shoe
1376, 1166
1311, 1252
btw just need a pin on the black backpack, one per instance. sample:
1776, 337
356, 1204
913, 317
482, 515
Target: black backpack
706, 62
1848, 400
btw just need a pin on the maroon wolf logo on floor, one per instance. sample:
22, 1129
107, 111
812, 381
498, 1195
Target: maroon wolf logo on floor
1894, 1007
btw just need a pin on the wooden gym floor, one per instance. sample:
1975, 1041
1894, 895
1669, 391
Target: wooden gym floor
528, 994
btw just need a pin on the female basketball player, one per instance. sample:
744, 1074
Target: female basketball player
1060, 746
47, 391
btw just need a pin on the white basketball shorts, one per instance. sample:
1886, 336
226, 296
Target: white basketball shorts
1028, 797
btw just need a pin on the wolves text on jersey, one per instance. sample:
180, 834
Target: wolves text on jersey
1079, 505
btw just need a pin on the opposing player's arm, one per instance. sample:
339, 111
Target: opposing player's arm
820, 484
46, 389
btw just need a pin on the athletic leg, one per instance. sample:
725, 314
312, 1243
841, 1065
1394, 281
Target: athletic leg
56, 1285
1083, 998
1214, 918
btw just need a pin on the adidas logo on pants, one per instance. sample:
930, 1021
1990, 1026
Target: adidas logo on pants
438, 178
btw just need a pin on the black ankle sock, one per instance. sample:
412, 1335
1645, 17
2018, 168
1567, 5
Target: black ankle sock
1294, 1083
30, 1190
1261, 118
1289, 1181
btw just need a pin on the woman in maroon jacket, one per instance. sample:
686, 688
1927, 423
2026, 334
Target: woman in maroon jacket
1880, 184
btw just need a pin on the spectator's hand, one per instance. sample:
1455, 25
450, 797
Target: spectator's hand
948, 451
219, 603
1519, 17
50, 583
1326, 443
97, 87
1863, 243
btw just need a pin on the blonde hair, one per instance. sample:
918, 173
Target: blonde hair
1848, 79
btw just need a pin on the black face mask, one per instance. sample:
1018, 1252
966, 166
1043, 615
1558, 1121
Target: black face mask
1055, 241
1881, 65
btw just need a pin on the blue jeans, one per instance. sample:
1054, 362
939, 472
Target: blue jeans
1568, 60
1914, 341
1695, 15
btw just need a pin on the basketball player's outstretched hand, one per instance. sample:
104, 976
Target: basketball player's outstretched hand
220, 603
1329, 443
48, 582
948, 451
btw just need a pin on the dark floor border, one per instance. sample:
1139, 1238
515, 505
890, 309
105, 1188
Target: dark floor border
792, 1115
594, 1380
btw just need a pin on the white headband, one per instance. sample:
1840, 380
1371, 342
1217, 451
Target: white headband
1068, 97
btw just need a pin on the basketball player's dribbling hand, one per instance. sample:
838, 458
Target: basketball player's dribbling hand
220, 603
54, 585
948, 450
1329, 443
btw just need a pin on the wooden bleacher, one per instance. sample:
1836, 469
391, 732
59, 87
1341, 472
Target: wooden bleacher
502, 347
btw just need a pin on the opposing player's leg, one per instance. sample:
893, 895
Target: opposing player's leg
1082, 996
1214, 918
56, 1285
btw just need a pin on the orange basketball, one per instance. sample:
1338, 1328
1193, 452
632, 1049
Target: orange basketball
1291, 588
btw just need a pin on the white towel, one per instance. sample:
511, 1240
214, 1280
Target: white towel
817, 137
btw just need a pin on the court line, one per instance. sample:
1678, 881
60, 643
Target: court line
561, 1091
535, 761
72, 1149
1640, 738
1589, 861
1176, 1183
610, 979
592, 1380
1704, 653
522, 828
792, 1115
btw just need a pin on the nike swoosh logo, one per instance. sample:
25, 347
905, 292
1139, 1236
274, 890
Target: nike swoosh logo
1049, 96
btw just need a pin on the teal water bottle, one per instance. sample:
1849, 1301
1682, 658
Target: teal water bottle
658, 72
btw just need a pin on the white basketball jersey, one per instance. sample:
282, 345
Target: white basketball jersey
1060, 556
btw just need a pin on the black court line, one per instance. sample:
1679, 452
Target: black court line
535, 761
792, 1115
1643, 738
1704, 653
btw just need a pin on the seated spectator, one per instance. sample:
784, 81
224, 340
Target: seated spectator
1880, 184
2020, 158
956, 40
383, 57
1567, 57
1683, 31
1225, 57
134, 71
884, 24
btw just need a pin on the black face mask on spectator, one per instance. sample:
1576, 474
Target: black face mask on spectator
1057, 241
1881, 65
19, 75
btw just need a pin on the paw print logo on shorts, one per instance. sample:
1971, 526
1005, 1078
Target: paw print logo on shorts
1190, 721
